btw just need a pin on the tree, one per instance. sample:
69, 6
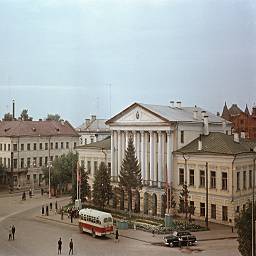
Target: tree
3, 171
85, 189
55, 117
102, 189
24, 115
184, 194
61, 171
7, 117
130, 174
244, 230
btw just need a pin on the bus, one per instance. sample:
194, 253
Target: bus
95, 222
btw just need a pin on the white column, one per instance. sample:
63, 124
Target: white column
135, 141
115, 157
155, 159
119, 152
164, 156
151, 134
169, 156
123, 144
142, 158
126, 139
138, 146
160, 155
146, 136
112, 155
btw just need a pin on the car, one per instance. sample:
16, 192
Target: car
179, 238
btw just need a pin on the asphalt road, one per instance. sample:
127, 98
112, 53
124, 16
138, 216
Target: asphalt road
36, 236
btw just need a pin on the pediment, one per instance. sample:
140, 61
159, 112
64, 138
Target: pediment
139, 115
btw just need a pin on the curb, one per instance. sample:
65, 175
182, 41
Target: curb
219, 238
59, 221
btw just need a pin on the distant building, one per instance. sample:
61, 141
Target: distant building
243, 122
91, 155
33, 145
93, 130
230, 165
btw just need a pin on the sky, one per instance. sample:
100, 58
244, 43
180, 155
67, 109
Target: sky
83, 57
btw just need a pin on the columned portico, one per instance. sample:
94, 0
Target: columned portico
142, 158
160, 157
152, 158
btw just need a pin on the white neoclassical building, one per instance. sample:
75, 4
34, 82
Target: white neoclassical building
157, 132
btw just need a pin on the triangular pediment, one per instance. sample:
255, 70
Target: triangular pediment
137, 114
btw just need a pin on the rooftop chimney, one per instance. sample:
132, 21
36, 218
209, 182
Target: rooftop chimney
195, 112
206, 125
178, 104
13, 109
172, 103
200, 144
93, 118
236, 137
242, 135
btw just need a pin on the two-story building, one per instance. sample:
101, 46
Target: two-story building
32, 145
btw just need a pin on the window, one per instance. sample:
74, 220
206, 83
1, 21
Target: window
224, 181
56, 145
92, 140
34, 146
238, 209
202, 209
22, 163
192, 207
238, 181
34, 162
202, 178
46, 146
224, 213
181, 176
9, 147
28, 178
34, 178
45, 160
51, 145
9, 162
62, 145
244, 180
89, 167
5, 162
15, 163
28, 146
1, 147
67, 145
191, 177
213, 211
85, 141
40, 146
95, 166
109, 165
28, 162
213, 179
181, 136
4, 147
15, 147
40, 161
51, 158
74, 144
21, 147
250, 179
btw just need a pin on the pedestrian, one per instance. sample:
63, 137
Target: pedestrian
153, 232
62, 214
42, 209
50, 206
13, 231
56, 206
59, 246
71, 216
117, 235
47, 210
71, 245
10, 232
42, 191
30, 192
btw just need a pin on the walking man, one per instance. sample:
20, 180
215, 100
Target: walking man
117, 235
10, 233
13, 231
59, 246
71, 245
47, 210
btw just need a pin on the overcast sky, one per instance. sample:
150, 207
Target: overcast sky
59, 56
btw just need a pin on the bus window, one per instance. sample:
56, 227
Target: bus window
109, 219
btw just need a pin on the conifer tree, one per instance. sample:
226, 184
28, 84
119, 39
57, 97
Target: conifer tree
184, 194
130, 174
102, 189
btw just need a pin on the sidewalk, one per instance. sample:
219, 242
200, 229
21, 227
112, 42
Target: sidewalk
216, 232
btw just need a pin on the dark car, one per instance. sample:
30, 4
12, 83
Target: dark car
178, 238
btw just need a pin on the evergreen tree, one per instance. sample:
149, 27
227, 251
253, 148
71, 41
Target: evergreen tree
184, 194
130, 174
244, 230
85, 189
102, 189
7, 117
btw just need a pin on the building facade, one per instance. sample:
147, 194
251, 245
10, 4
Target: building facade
93, 130
157, 132
228, 163
33, 145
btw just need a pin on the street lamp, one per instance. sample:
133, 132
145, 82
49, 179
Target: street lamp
49, 165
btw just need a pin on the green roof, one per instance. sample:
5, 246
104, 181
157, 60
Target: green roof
102, 144
217, 143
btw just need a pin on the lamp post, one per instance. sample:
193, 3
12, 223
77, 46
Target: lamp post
49, 178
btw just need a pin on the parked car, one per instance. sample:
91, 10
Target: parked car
178, 238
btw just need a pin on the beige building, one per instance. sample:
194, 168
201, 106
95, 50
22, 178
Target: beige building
230, 165
93, 130
33, 145
91, 155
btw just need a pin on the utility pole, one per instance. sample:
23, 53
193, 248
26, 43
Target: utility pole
206, 186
